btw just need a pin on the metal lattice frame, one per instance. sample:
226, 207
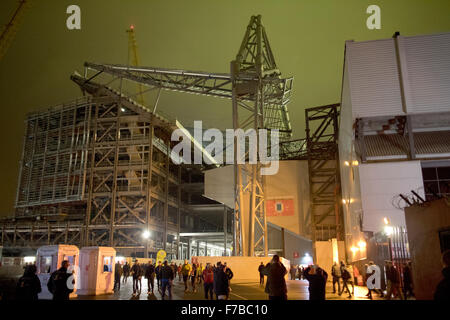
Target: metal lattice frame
324, 175
259, 97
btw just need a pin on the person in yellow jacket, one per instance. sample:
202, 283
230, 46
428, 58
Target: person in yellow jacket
200, 270
186, 271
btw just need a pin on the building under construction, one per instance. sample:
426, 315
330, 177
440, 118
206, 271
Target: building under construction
98, 171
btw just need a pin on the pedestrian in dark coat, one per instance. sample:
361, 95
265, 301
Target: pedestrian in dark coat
158, 275
136, 272
221, 285
29, 285
117, 275
57, 284
167, 276
261, 274
126, 272
442, 292
317, 279
407, 281
276, 284
150, 275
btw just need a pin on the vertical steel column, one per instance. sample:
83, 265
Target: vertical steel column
15, 235
49, 233
66, 235
149, 182
44, 157
179, 212
91, 179
166, 190
189, 249
112, 217
225, 229
239, 236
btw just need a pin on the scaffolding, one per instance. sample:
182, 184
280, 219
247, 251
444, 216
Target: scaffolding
324, 175
116, 171
97, 172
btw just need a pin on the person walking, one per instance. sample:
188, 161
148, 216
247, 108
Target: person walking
317, 279
261, 274
346, 278
186, 271
180, 276
150, 276
393, 280
29, 285
351, 280
208, 281
221, 285
194, 277
230, 275
336, 274
276, 284
442, 292
117, 275
126, 272
136, 274
158, 275
58, 282
407, 281
293, 271
167, 276
373, 283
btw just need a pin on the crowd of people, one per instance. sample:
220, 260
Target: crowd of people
216, 279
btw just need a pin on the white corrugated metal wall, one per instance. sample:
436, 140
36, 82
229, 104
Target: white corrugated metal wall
425, 64
374, 78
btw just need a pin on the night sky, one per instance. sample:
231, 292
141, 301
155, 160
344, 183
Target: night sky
307, 38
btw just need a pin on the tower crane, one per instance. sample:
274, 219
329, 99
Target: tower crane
133, 59
10, 29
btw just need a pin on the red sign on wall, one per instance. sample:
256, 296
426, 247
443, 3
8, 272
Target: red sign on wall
281, 207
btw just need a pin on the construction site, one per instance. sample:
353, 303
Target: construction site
97, 170
101, 170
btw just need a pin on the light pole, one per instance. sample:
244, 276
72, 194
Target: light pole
388, 230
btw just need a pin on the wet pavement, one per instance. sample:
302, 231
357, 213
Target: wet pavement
240, 290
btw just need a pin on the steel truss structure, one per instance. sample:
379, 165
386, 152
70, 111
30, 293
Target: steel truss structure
324, 175
107, 156
259, 98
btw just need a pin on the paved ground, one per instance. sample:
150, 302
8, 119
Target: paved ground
242, 290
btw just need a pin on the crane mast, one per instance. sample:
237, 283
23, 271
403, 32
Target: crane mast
10, 29
133, 59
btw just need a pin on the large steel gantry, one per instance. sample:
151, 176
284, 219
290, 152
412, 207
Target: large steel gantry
259, 101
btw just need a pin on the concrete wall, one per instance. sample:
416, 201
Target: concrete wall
380, 183
350, 179
324, 255
290, 183
423, 224
244, 268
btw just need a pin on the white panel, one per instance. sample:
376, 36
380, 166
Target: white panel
380, 184
374, 78
426, 72
219, 185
